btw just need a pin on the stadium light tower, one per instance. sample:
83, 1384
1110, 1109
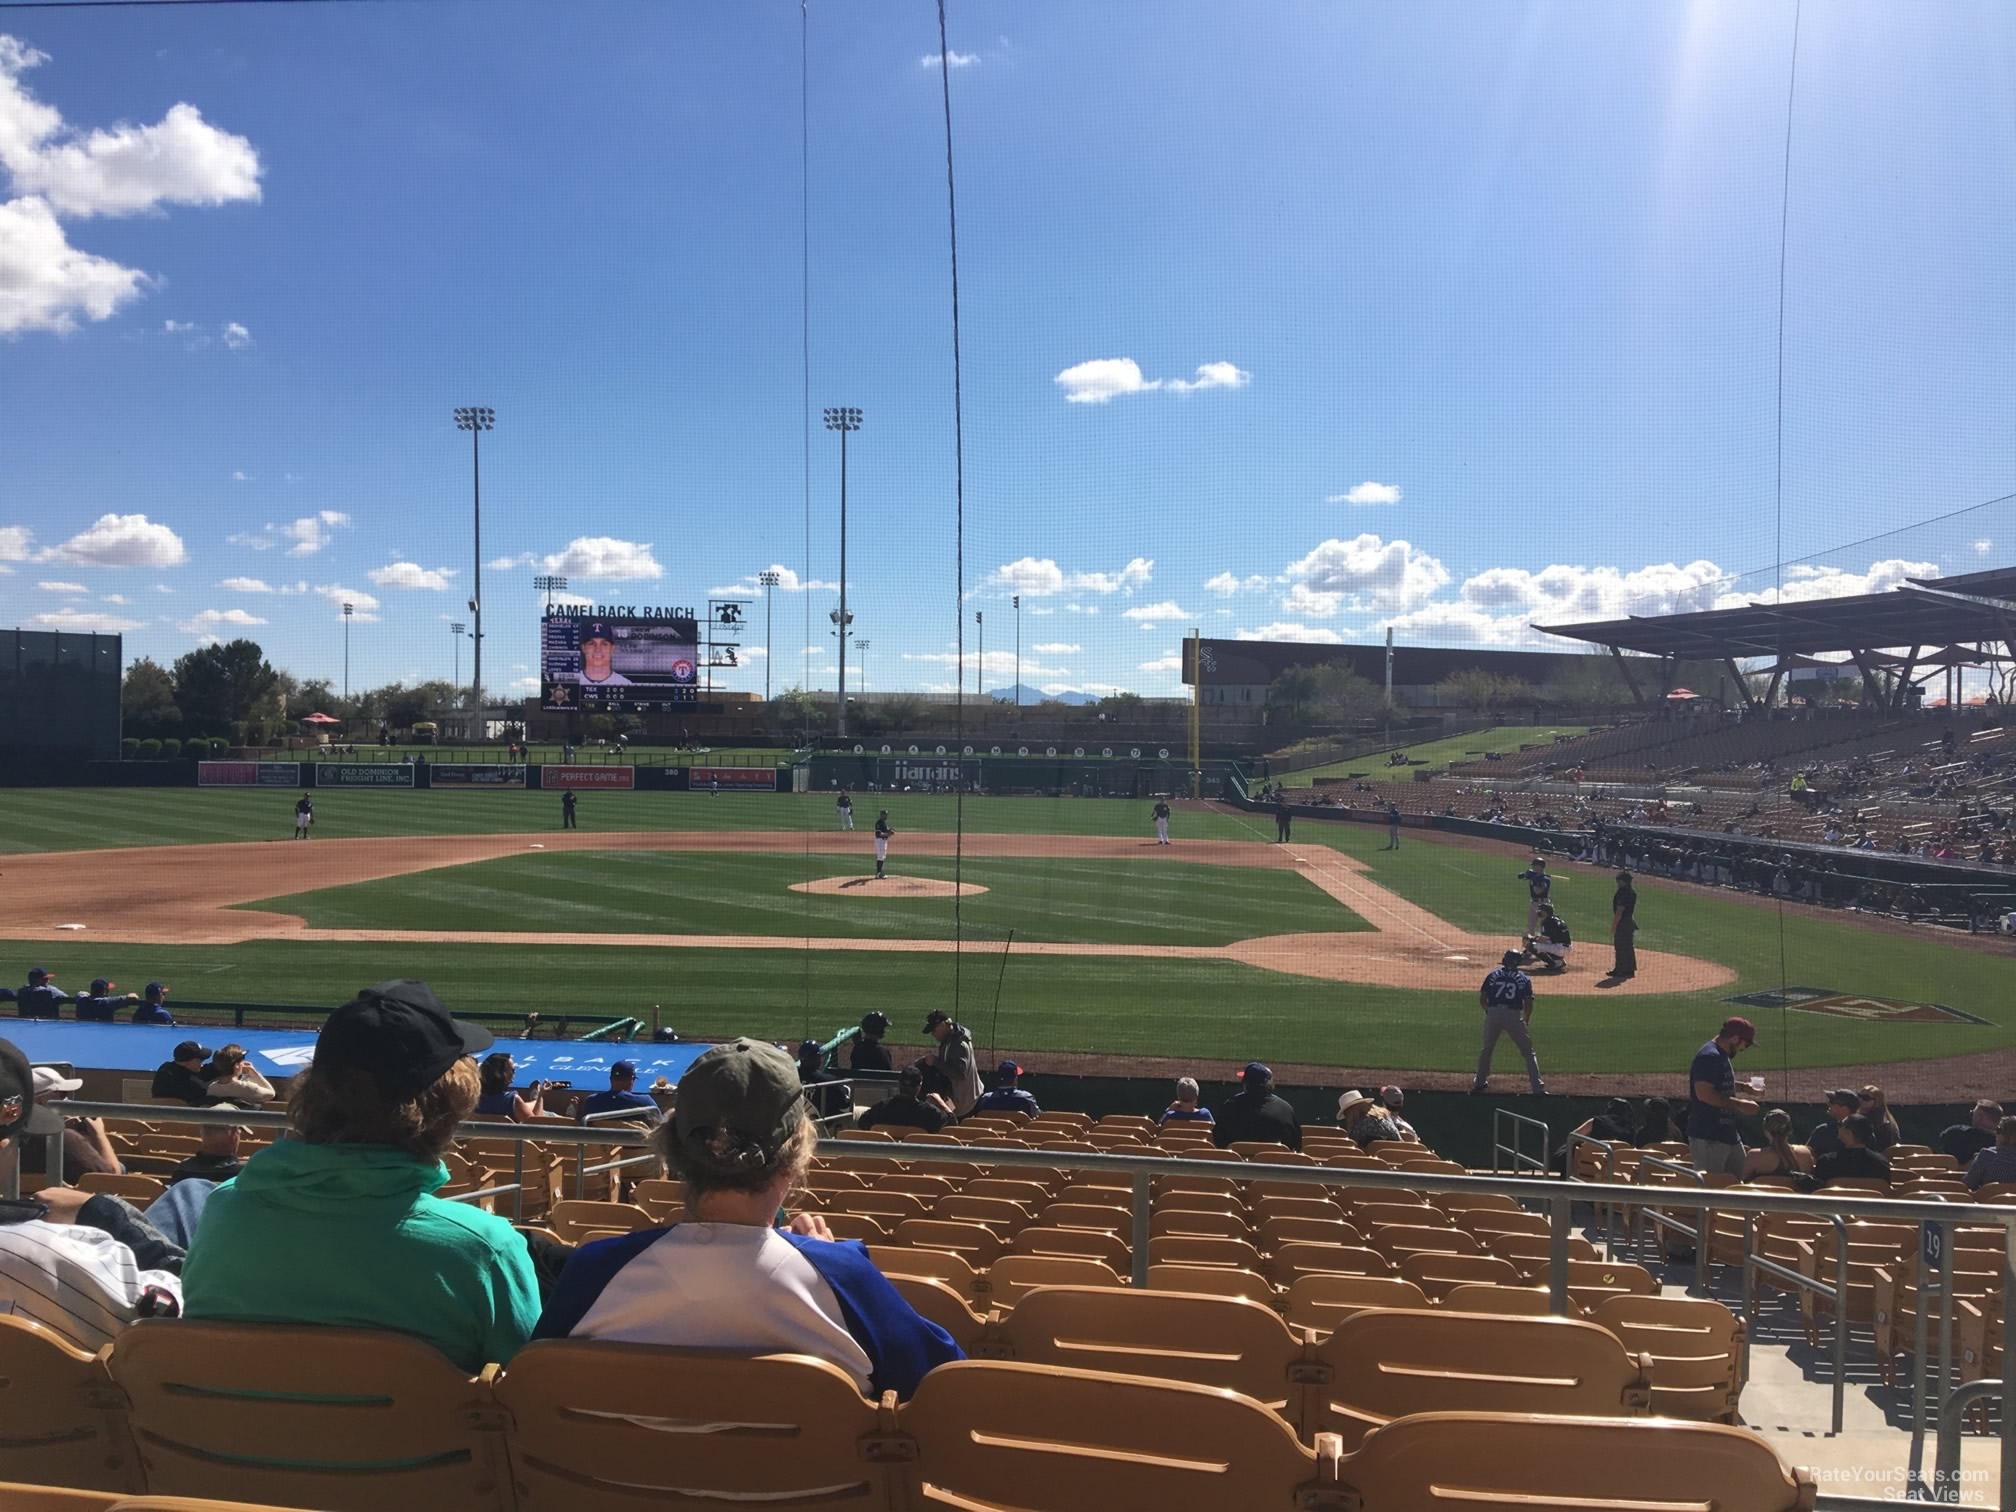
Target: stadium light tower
844, 420
769, 580
861, 646
980, 671
476, 419
455, 628
348, 610
1017, 601
549, 584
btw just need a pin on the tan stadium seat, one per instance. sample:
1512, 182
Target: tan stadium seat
1439, 1274
1276, 1231
942, 1305
1112, 1218
1319, 1303
1117, 1141
338, 1419
1225, 1342
1372, 1216
1351, 1195
16, 1497
1696, 1349
1246, 1149
138, 1190
1296, 1258
998, 1213
1134, 1123
1455, 1204
1398, 1240
1872, 1247
1481, 1223
866, 1136
1060, 1144
1533, 1253
1437, 1460
1094, 1244
1347, 1159
1077, 1121
1309, 1206
895, 1206
1212, 1152
1210, 1281
60, 1418
818, 1179
1213, 1225
860, 1226
1500, 1301
1189, 1249
1013, 1277
977, 1245
1280, 1155
1030, 1194
929, 1264
958, 1172
542, 1172
870, 1166
1384, 1365
929, 1137
574, 1217
598, 1426
916, 1181
1593, 1282
1007, 1435
1163, 1188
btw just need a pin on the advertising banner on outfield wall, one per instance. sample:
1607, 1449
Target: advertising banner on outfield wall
248, 773
609, 778
493, 774
377, 774
742, 779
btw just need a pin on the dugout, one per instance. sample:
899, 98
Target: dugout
59, 702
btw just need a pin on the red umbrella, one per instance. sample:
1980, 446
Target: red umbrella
1683, 693
319, 719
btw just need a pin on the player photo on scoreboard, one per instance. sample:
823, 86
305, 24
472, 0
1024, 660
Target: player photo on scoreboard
594, 663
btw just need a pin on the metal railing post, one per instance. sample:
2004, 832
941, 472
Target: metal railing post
1557, 1256
1143, 1206
1749, 1289
1946, 1363
518, 1177
1840, 1318
1946, 1466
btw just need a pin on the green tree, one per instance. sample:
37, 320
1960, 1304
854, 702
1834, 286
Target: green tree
147, 700
219, 688
902, 712
1342, 696
1294, 692
794, 712
1125, 706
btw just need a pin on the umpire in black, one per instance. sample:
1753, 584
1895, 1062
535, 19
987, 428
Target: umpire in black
1623, 926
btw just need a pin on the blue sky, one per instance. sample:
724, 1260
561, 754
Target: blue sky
1290, 320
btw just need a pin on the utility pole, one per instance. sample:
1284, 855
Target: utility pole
476, 419
348, 610
862, 646
845, 420
980, 674
1017, 602
769, 580
455, 628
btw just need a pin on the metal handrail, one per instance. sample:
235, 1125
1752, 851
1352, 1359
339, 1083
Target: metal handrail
1946, 1466
1518, 1121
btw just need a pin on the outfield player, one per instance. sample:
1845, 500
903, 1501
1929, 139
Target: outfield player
304, 815
844, 806
1161, 822
882, 836
1538, 886
1507, 1000
1392, 826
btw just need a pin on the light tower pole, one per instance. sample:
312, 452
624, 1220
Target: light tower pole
769, 580
845, 420
980, 672
861, 646
476, 419
549, 584
348, 610
1017, 601
455, 628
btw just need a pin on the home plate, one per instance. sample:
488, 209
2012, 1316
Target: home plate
535, 845
70, 926
1460, 959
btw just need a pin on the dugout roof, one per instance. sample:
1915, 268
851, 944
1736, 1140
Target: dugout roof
1917, 615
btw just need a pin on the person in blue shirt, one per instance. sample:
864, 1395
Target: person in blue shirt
622, 1094
153, 1008
1713, 1137
102, 1003
1507, 1000
41, 998
727, 1276
499, 1099
1006, 1096
1539, 887
1186, 1108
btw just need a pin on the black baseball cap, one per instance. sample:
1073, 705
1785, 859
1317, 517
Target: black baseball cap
100, 986
1844, 1097
624, 1068
156, 988
1256, 1074
934, 1018
738, 1104
37, 974
399, 1034
597, 630
1511, 958
1007, 1071
190, 1048
19, 1112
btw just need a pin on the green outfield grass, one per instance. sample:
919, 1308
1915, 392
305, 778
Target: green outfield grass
625, 892
1438, 753
1219, 1013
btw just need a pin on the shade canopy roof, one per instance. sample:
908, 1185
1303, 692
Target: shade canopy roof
1909, 616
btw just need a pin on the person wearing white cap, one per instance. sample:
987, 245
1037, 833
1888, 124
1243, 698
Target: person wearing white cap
1363, 1119
86, 1146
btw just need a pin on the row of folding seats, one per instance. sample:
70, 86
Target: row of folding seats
355, 1422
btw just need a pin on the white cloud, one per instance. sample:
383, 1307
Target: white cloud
251, 540
14, 543
177, 327
1283, 631
1804, 584
236, 336
246, 585
1104, 378
1000, 664
116, 540
1081, 608
1226, 585
412, 575
163, 588
1462, 625
952, 58
1163, 664
48, 585
1302, 599
1389, 574
604, 558
57, 171
1211, 375
813, 651
114, 598
1056, 648
207, 621
1367, 493
365, 605
522, 684
1039, 577
787, 582
45, 283
506, 563
1149, 613
241, 476
1983, 546
1094, 690
83, 621
311, 533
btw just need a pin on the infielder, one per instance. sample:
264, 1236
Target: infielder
1538, 887
1161, 822
844, 806
304, 815
1507, 1000
1392, 826
882, 836
567, 806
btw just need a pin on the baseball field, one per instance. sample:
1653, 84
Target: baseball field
751, 913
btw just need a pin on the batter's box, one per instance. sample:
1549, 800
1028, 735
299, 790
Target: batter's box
1851, 1005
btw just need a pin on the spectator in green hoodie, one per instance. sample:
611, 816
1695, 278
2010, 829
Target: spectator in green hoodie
337, 1224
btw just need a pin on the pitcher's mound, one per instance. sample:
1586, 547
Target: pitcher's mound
889, 887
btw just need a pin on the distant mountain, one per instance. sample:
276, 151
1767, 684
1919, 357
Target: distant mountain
1033, 696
